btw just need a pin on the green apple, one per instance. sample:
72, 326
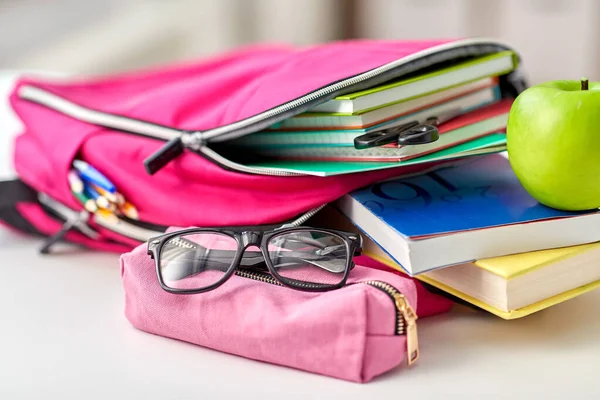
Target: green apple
553, 140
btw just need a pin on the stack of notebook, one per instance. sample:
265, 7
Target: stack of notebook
472, 231
465, 97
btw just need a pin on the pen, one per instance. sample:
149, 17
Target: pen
91, 175
120, 199
75, 182
107, 217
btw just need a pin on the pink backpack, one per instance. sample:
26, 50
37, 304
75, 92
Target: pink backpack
154, 134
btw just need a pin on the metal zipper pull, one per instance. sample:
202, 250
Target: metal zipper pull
71, 223
410, 318
65, 213
406, 318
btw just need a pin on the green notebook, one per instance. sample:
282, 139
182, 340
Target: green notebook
493, 143
482, 89
405, 89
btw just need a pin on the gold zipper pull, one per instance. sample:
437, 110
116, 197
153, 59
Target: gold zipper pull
410, 326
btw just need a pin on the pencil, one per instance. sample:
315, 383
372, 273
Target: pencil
107, 217
120, 199
88, 203
112, 197
130, 211
100, 200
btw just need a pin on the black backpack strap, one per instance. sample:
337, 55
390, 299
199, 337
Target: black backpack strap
11, 193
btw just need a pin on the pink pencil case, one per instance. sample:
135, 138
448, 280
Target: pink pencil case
354, 333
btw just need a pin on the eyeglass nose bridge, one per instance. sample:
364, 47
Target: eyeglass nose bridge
251, 238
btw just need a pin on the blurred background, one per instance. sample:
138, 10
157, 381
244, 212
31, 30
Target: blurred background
558, 39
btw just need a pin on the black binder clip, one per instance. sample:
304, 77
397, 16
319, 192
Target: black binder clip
411, 133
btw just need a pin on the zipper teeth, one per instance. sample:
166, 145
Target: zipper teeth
301, 220
197, 138
137, 127
179, 243
263, 277
258, 277
243, 168
392, 292
76, 111
65, 212
126, 229
383, 286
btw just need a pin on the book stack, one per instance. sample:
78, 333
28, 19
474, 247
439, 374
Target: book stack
465, 99
472, 231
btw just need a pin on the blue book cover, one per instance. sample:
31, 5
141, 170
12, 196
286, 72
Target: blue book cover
482, 192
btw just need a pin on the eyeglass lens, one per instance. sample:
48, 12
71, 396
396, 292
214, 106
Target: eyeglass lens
196, 260
312, 257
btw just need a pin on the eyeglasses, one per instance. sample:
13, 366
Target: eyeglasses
197, 260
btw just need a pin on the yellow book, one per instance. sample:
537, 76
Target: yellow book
511, 286
517, 285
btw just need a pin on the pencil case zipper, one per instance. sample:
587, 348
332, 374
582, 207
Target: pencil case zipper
405, 315
178, 140
136, 230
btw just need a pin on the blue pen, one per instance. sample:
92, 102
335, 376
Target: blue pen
92, 175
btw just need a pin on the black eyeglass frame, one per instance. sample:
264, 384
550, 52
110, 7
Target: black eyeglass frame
247, 237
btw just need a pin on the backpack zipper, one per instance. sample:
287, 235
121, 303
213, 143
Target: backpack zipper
178, 140
77, 219
303, 218
130, 229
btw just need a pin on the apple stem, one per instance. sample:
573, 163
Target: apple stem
584, 84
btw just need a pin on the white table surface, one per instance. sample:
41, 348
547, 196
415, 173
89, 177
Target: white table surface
63, 335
